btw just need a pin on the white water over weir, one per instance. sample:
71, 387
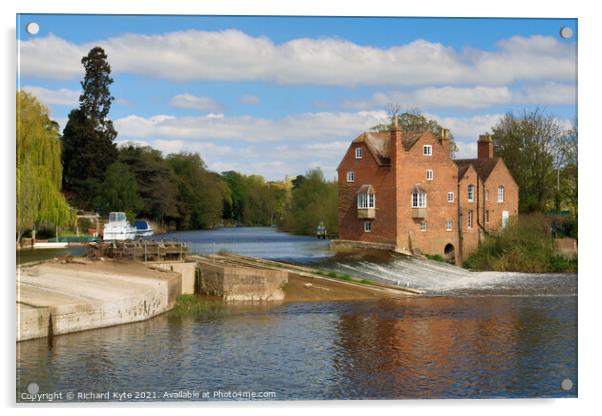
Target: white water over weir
435, 277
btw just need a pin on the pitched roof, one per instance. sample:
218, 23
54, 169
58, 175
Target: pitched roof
379, 143
483, 166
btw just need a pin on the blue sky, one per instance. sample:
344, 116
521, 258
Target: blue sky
279, 95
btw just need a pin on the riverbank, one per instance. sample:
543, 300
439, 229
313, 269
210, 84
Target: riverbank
73, 294
58, 297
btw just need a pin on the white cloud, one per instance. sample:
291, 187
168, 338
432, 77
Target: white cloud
470, 98
468, 128
285, 146
50, 97
307, 126
232, 55
249, 99
195, 103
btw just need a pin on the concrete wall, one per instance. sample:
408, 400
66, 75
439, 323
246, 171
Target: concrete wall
233, 282
76, 297
186, 269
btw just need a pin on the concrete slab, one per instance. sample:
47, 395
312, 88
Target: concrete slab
74, 297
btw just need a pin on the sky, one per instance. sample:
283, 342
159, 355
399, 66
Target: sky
276, 96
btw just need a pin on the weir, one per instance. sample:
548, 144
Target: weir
440, 278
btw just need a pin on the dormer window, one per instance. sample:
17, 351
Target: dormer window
359, 153
350, 176
470, 193
427, 150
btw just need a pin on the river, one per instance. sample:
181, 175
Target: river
473, 336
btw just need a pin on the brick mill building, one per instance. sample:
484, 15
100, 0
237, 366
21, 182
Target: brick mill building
402, 191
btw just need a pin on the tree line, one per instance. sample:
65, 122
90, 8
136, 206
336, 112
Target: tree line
84, 169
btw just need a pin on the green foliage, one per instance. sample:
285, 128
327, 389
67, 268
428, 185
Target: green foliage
157, 182
413, 120
119, 191
88, 137
435, 257
39, 170
313, 201
201, 193
534, 146
191, 306
253, 201
525, 245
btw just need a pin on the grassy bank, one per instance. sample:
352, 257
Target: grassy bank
345, 277
191, 306
525, 245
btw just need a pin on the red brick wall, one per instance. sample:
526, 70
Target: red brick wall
367, 172
500, 176
470, 236
412, 170
394, 223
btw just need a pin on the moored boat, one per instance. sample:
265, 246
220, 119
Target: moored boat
118, 228
143, 228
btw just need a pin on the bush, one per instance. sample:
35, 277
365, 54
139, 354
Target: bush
435, 257
194, 307
525, 245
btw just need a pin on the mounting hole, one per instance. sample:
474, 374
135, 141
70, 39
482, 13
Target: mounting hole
32, 28
566, 384
566, 32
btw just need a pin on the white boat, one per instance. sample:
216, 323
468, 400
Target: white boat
143, 228
118, 228
50, 244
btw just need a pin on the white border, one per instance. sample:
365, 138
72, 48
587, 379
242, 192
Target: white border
590, 151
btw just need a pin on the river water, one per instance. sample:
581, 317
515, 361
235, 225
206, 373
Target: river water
472, 336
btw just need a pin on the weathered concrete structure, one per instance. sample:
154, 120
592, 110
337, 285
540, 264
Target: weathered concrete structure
55, 299
230, 281
186, 269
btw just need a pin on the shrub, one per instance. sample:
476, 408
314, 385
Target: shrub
525, 245
194, 307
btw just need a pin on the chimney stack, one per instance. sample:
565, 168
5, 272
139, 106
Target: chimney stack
444, 139
395, 141
485, 146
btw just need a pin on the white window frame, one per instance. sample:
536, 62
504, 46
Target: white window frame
486, 194
419, 200
350, 176
470, 193
366, 200
359, 153
423, 226
429, 174
450, 200
367, 226
450, 225
501, 193
427, 150
469, 219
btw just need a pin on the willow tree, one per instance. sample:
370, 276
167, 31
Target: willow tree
39, 169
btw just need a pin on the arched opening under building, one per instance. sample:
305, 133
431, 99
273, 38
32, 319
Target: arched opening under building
450, 253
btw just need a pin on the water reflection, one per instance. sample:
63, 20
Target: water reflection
409, 348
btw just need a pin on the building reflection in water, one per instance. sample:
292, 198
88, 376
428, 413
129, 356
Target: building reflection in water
451, 347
